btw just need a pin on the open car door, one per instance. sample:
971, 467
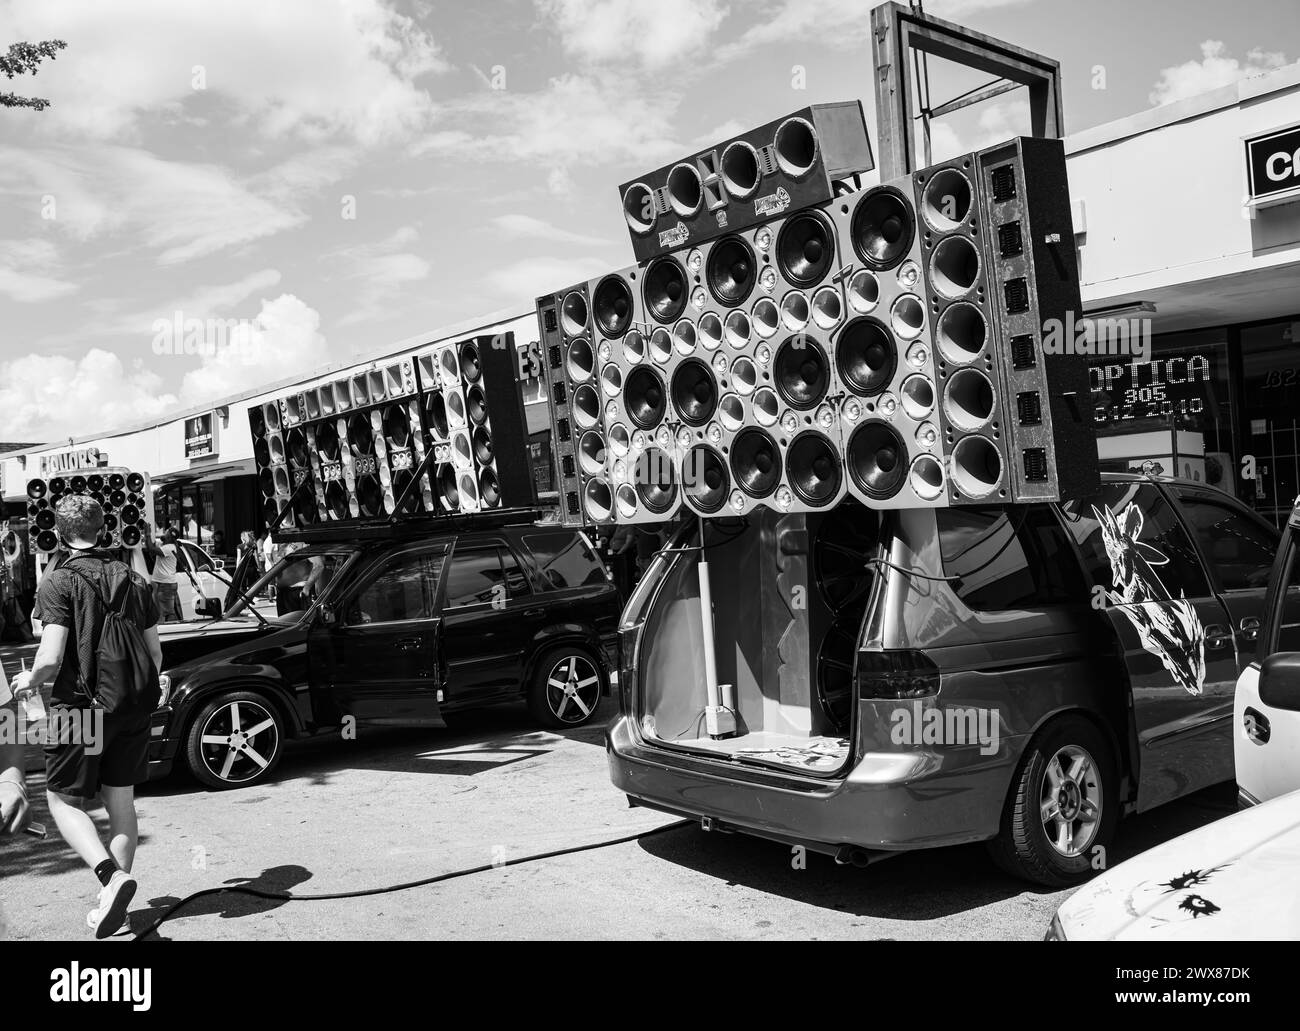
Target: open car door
1266, 712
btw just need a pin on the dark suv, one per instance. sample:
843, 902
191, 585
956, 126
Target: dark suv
1020, 675
393, 632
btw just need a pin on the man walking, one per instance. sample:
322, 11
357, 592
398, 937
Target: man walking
73, 602
166, 592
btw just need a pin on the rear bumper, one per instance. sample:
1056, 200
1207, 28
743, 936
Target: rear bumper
889, 801
162, 746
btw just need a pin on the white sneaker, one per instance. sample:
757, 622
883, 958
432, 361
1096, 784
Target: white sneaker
114, 898
92, 921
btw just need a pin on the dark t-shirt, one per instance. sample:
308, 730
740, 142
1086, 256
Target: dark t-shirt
66, 599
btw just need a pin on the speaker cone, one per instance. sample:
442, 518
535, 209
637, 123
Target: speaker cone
877, 459
327, 441
370, 497
45, 519
36, 489
116, 481
813, 468
639, 208
644, 397
612, 306
448, 495
573, 314
483, 446
400, 481
805, 248
685, 191
954, 266
489, 491
917, 396
976, 466
471, 367
77, 485
766, 318
296, 445
266, 481
665, 289
705, 479
304, 510
946, 200
960, 333
58, 485
586, 406
866, 357
598, 500
360, 436
968, 399
47, 540
926, 477
94, 483
730, 270
695, 394
802, 372
336, 500
739, 169
435, 414
591, 453
270, 509
110, 522
755, 462
864, 291
796, 147
476, 405
883, 227
655, 479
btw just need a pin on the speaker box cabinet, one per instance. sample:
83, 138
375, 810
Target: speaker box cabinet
786, 165
1034, 283
124, 495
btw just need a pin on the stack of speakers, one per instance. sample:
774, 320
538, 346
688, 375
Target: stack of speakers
125, 497
882, 344
360, 443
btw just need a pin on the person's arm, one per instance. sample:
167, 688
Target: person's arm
155, 647
49, 656
15, 813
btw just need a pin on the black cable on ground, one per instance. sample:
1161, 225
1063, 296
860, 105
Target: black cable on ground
284, 896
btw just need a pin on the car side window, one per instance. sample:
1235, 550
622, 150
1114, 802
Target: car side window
475, 578
515, 579
1133, 544
1009, 558
1240, 550
403, 591
564, 560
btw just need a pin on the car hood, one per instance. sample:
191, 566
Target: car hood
184, 644
1234, 879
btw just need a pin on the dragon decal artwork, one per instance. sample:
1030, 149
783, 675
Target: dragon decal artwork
1168, 627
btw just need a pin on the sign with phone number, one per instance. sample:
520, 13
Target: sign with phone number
1160, 389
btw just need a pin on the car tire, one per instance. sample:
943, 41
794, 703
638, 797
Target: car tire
563, 693
234, 762
1062, 807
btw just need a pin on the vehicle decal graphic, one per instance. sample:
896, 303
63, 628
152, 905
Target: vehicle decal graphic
1168, 627
1198, 906
1191, 879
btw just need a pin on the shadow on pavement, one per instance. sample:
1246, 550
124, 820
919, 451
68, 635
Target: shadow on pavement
920, 885
227, 905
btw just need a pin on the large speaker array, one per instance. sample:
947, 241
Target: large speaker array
883, 345
783, 166
125, 497
360, 441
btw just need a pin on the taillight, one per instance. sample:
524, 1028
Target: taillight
629, 637
896, 674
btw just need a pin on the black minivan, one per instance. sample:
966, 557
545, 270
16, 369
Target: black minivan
397, 631
1016, 675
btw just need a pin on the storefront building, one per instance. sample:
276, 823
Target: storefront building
201, 462
1188, 229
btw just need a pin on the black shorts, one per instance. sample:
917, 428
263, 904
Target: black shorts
120, 759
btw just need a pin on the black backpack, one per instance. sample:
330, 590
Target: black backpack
126, 679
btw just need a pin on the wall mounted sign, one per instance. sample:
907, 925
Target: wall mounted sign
67, 461
1273, 167
201, 436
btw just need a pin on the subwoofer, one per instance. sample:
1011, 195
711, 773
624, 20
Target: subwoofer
45, 496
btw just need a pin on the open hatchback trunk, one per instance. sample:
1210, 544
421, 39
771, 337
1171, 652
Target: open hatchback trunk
789, 593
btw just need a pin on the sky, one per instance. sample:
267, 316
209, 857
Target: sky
329, 177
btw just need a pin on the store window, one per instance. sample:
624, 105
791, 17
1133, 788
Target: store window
189, 509
1172, 414
1271, 399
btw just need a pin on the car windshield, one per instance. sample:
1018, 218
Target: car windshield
293, 584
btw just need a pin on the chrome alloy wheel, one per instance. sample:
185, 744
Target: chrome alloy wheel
1070, 800
572, 689
239, 740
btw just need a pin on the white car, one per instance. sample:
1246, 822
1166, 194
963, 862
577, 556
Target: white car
1231, 880
198, 581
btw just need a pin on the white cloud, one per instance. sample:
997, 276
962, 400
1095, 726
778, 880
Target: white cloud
1215, 69
621, 32
25, 271
203, 302
525, 227
383, 270
311, 68
533, 277
49, 397
283, 340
